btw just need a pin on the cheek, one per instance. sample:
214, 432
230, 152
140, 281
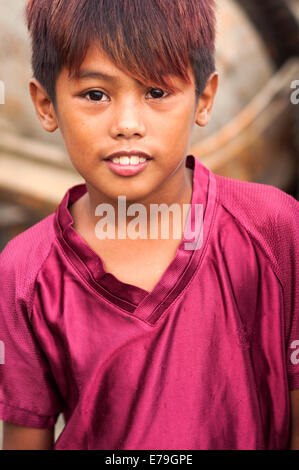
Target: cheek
76, 141
77, 134
76, 127
179, 126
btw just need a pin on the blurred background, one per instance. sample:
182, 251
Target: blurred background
253, 134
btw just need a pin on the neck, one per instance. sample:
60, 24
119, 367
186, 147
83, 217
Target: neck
176, 190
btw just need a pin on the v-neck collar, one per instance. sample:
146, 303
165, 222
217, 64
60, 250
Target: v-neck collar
147, 306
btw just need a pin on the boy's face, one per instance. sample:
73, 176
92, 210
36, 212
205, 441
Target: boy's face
98, 117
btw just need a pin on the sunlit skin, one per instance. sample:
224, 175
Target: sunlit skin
125, 115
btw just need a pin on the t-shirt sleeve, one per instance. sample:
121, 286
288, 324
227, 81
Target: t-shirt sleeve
287, 225
28, 393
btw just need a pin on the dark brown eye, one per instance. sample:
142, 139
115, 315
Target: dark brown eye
157, 92
95, 95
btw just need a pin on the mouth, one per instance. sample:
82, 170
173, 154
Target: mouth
131, 158
128, 163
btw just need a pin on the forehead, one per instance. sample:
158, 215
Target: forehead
98, 65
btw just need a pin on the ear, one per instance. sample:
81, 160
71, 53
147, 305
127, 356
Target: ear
43, 106
206, 101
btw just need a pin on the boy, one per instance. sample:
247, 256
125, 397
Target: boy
142, 343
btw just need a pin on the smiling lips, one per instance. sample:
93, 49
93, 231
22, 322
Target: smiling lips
127, 165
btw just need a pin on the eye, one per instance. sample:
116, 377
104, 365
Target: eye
157, 93
94, 95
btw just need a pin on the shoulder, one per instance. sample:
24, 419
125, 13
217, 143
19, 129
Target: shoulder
258, 206
269, 215
253, 202
24, 255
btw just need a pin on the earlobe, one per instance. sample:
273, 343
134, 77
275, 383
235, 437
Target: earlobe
43, 106
202, 117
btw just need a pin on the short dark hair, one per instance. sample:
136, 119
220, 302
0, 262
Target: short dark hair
147, 39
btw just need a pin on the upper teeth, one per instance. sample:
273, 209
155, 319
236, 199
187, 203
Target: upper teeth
134, 160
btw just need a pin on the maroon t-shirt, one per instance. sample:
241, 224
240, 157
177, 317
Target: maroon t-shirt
206, 360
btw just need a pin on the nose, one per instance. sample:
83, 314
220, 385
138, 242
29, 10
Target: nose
128, 121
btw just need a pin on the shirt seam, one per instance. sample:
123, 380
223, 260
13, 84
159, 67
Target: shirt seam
31, 302
87, 268
293, 377
89, 285
29, 411
213, 218
97, 294
259, 246
257, 243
